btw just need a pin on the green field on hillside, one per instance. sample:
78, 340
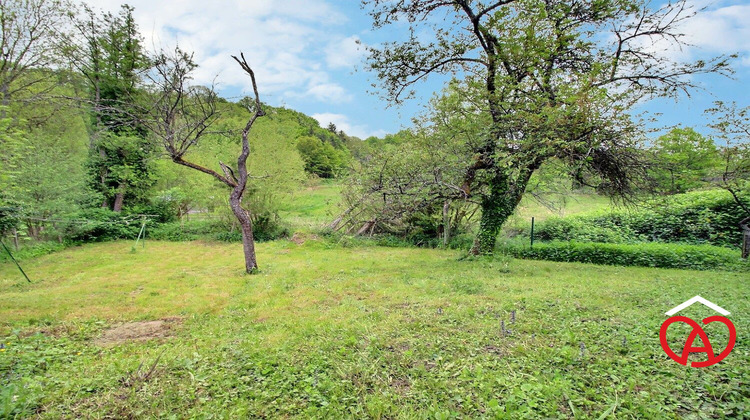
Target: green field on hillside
326, 330
313, 206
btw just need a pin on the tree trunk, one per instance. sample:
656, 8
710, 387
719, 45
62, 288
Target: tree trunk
34, 231
369, 225
446, 223
15, 238
119, 199
246, 224
497, 207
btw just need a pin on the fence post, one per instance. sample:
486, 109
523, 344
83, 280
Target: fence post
532, 232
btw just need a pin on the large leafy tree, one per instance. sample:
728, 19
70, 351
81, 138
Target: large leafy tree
29, 34
107, 50
548, 78
684, 159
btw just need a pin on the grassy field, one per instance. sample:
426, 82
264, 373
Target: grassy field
327, 330
313, 206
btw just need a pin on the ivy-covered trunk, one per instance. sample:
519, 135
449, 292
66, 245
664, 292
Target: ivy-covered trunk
497, 206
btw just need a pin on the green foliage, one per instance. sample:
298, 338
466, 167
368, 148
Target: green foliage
684, 160
265, 228
693, 257
122, 164
187, 231
9, 217
33, 250
112, 61
99, 224
404, 186
700, 217
13, 143
321, 159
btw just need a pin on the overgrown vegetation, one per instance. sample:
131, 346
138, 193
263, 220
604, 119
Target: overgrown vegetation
700, 217
693, 257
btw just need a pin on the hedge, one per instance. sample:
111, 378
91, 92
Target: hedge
694, 257
701, 217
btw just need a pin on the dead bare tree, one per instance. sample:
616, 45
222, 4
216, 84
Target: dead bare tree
180, 114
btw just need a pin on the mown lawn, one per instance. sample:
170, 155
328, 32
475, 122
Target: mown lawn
330, 331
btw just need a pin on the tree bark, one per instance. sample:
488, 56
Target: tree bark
119, 199
15, 238
246, 225
103, 173
446, 223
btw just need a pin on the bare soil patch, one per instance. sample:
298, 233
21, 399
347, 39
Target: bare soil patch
300, 238
139, 331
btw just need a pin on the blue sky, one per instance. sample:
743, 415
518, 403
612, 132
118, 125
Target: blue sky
306, 57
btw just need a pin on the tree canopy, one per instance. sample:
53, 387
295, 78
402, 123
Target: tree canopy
545, 79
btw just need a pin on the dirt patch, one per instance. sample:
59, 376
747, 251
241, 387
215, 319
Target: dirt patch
139, 331
494, 350
401, 385
300, 238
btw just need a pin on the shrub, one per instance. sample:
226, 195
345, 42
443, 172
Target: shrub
188, 231
695, 257
263, 230
701, 217
33, 251
96, 225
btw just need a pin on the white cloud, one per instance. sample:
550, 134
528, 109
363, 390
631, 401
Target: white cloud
342, 123
344, 53
725, 29
715, 30
281, 40
329, 92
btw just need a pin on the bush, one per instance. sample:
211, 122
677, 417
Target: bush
263, 230
33, 251
188, 231
701, 217
695, 257
9, 218
97, 225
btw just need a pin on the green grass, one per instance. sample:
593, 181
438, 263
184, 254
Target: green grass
354, 332
574, 203
314, 206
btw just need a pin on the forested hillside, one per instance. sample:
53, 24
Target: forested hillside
50, 166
